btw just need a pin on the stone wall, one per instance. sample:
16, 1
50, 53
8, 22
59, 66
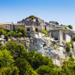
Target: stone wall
68, 38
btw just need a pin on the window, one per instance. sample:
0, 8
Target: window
45, 27
28, 29
36, 29
64, 36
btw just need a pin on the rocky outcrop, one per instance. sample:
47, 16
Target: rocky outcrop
42, 43
46, 45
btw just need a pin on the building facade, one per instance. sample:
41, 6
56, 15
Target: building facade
60, 35
32, 24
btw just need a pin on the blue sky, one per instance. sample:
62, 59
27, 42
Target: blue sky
62, 11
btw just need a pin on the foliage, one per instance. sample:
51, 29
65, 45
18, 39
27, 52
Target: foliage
32, 17
56, 23
19, 34
68, 46
12, 33
21, 31
36, 59
69, 67
64, 30
16, 49
24, 66
0, 43
15, 60
70, 26
6, 37
44, 70
5, 58
73, 38
2, 31
44, 32
9, 71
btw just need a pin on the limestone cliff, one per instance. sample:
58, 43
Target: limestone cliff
48, 47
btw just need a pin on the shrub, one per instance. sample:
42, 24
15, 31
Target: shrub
21, 31
44, 32
68, 47
44, 70
12, 33
6, 37
73, 38
0, 43
32, 17
70, 26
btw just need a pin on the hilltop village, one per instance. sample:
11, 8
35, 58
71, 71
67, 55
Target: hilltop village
32, 23
48, 38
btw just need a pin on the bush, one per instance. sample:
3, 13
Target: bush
70, 26
0, 43
44, 32
32, 17
24, 66
21, 31
12, 33
15, 49
68, 47
6, 37
2, 32
5, 58
44, 70
73, 38
9, 71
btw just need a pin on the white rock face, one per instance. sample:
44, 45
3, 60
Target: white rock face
41, 43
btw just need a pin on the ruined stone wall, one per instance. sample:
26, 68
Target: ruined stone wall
68, 38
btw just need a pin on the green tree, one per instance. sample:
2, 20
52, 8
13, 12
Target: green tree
2, 31
57, 71
22, 30
12, 33
9, 71
24, 66
44, 70
19, 34
70, 26
16, 49
5, 58
69, 67
36, 59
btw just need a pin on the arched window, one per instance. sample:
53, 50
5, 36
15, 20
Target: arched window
36, 29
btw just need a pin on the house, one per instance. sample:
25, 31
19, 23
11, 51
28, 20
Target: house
33, 23
7, 26
61, 35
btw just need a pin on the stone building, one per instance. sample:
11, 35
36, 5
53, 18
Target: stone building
62, 36
33, 23
7, 26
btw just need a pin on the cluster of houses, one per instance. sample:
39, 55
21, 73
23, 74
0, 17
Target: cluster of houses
36, 24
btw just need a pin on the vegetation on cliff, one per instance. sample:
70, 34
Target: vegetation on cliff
15, 60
